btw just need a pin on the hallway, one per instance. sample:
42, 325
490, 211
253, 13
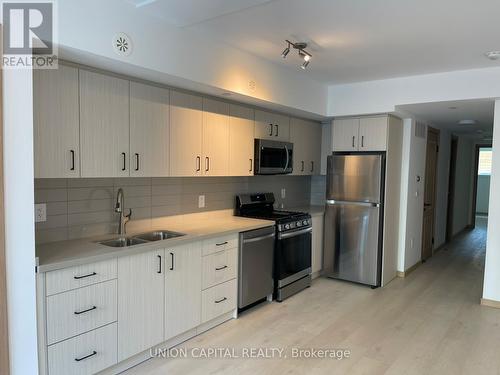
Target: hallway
427, 323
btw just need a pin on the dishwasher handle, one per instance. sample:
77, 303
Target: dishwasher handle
260, 238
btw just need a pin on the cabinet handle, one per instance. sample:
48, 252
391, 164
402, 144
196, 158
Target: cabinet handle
159, 264
362, 141
172, 259
84, 311
251, 165
198, 164
270, 130
124, 161
220, 268
222, 243
353, 139
136, 162
72, 160
302, 170
277, 130
207, 164
87, 356
312, 166
221, 300
84, 276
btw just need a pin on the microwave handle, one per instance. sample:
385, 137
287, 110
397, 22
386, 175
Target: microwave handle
287, 159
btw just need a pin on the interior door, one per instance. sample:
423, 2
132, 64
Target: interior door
430, 192
215, 137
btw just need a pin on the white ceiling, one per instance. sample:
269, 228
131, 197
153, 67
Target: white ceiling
351, 40
446, 115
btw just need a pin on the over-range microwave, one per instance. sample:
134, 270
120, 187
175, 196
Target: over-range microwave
273, 157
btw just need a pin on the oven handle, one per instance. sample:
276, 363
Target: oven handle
255, 239
295, 233
287, 159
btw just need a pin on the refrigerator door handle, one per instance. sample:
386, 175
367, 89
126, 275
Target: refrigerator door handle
332, 202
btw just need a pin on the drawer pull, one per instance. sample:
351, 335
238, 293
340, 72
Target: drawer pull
84, 311
220, 268
222, 243
84, 276
87, 356
221, 300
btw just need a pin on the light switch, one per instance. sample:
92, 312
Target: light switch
40, 212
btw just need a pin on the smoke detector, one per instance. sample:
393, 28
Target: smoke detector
122, 44
493, 55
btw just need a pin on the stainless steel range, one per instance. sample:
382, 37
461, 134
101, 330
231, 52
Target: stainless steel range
292, 250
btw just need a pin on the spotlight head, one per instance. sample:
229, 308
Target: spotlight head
285, 52
305, 64
307, 57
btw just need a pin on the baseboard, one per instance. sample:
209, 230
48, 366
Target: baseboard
439, 248
404, 274
315, 275
490, 303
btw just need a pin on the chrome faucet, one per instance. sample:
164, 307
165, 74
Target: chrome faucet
119, 209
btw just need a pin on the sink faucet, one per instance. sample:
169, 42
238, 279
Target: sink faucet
123, 219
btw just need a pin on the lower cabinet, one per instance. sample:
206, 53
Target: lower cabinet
219, 300
141, 285
182, 289
317, 244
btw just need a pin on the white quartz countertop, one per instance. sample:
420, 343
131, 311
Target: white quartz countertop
63, 254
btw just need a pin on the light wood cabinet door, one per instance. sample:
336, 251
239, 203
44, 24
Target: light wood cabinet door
241, 140
182, 289
186, 128
345, 134
56, 123
141, 283
149, 131
373, 134
316, 131
306, 138
270, 125
317, 244
104, 125
215, 137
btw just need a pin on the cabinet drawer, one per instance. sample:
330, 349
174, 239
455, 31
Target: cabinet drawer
219, 267
78, 276
85, 354
214, 245
218, 300
80, 310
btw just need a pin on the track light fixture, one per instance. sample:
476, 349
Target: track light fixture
301, 47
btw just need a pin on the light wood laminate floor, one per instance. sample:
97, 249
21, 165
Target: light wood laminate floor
428, 323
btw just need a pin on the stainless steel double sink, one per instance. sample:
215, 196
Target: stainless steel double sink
141, 238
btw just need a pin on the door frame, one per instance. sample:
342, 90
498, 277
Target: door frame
437, 132
451, 188
478, 148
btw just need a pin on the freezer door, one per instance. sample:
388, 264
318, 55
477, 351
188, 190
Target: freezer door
355, 177
352, 250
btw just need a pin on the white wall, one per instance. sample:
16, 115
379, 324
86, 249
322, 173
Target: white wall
19, 221
491, 287
412, 197
178, 56
483, 194
464, 181
384, 95
443, 175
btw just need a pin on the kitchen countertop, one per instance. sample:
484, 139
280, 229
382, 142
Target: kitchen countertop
63, 254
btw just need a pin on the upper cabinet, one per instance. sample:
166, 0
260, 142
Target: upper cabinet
269, 125
186, 134
104, 125
56, 123
215, 147
306, 138
149, 131
360, 134
241, 140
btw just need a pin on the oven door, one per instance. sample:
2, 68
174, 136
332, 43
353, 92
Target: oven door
273, 157
293, 256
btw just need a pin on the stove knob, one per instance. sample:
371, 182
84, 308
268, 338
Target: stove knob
287, 226
299, 224
305, 222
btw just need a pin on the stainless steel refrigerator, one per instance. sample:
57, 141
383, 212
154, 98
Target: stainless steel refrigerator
354, 217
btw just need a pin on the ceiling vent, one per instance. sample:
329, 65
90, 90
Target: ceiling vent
122, 44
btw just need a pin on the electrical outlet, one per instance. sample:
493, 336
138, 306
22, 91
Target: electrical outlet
201, 201
283, 193
40, 212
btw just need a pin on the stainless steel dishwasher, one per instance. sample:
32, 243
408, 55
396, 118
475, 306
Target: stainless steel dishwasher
256, 254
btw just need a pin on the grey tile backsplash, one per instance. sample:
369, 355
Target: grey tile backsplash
78, 208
